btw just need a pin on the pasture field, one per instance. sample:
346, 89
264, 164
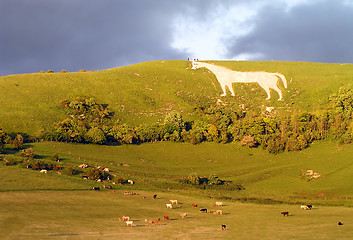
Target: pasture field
46, 206
94, 215
162, 166
146, 92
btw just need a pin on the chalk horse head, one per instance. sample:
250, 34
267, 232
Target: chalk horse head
226, 77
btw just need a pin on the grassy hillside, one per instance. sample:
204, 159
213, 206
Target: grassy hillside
160, 166
144, 93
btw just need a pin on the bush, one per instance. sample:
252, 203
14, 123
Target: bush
18, 141
95, 135
72, 170
248, 141
55, 157
194, 179
3, 139
95, 174
40, 165
120, 180
29, 152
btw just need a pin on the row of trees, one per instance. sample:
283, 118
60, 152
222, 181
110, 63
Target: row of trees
90, 122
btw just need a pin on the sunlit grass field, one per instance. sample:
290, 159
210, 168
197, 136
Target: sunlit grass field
146, 92
36, 205
94, 215
44, 206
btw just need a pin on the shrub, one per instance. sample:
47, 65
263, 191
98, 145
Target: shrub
95, 135
39, 165
194, 179
29, 152
50, 71
120, 180
72, 170
3, 139
248, 141
18, 141
214, 180
95, 174
55, 157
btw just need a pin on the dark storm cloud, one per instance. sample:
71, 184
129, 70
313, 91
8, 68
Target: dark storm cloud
84, 34
317, 32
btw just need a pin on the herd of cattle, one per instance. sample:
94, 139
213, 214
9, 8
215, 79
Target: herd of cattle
130, 223
223, 227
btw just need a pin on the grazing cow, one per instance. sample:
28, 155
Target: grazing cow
218, 204
184, 215
340, 223
85, 177
174, 201
223, 227
151, 221
125, 218
58, 167
303, 207
43, 171
285, 214
166, 218
129, 223
203, 210
194, 205
96, 189
155, 196
219, 212
130, 181
169, 206
310, 206
110, 187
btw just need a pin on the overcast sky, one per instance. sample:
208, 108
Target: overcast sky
95, 35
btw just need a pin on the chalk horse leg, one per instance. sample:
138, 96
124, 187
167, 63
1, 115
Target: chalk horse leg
224, 90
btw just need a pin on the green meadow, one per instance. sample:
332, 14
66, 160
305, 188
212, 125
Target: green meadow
37, 205
146, 92
258, 185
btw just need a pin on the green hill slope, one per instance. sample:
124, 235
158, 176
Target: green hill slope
144, 93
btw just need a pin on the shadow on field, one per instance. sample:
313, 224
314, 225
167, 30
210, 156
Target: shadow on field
62, 235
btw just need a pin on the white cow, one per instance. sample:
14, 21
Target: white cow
129, 223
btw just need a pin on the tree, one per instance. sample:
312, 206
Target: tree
95, 135
3, 139
173, 122
248, 141
55, 157
18, 141
342, 102
29, 152
194, 179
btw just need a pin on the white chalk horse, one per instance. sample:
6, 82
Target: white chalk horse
227, 77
